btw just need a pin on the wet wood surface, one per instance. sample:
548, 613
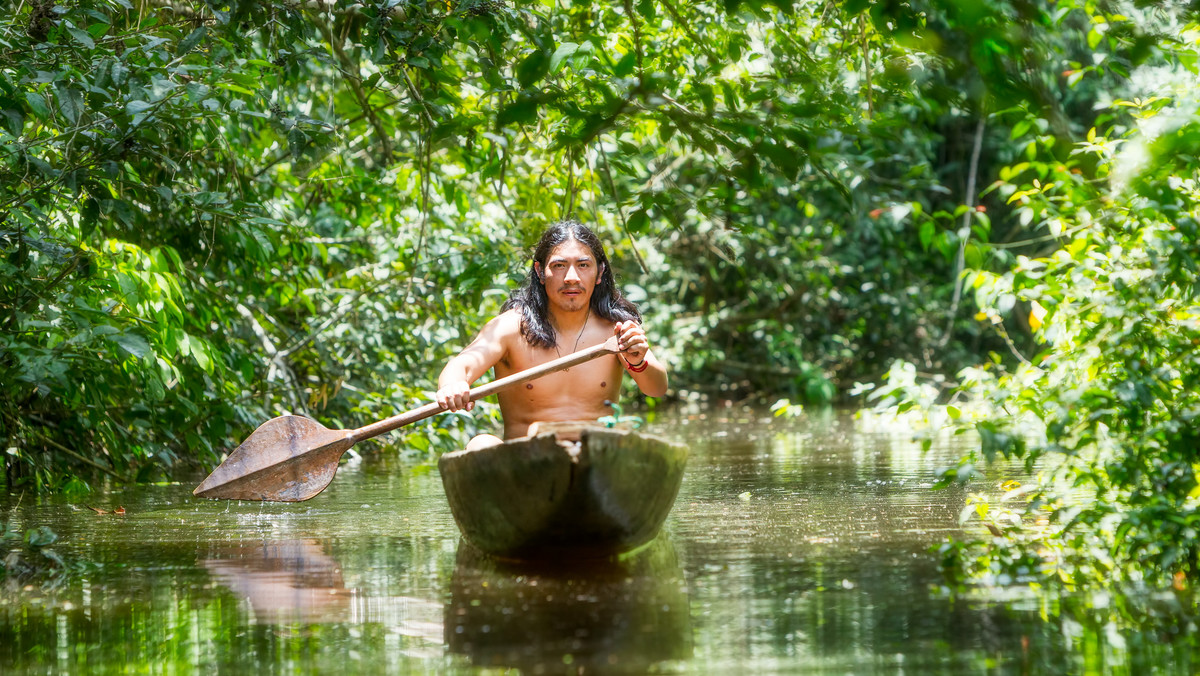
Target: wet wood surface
543, 496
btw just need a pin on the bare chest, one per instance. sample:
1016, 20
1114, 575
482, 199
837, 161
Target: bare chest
575, 394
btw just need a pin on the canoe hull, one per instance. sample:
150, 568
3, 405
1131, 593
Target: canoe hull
540, 497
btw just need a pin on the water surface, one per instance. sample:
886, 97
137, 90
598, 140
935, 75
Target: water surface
794, 546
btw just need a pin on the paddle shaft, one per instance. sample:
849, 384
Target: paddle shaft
433, 408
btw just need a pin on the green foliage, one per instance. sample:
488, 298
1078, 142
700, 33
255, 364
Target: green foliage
1106, 284
213, 214
177, 267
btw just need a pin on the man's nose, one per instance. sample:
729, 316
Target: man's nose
572, 274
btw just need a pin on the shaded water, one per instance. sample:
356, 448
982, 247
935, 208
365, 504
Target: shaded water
792, 547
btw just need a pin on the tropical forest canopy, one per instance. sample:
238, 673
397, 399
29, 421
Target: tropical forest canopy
214, 213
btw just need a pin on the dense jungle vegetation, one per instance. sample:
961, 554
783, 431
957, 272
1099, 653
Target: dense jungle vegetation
215, 212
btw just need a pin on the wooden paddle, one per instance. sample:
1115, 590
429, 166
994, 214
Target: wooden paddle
292, 458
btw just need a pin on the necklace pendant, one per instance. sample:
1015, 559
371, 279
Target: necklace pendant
577, 338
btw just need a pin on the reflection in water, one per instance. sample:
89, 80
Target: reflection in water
608, 616
296, 581
286, 581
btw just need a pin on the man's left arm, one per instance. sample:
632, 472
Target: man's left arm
639, 362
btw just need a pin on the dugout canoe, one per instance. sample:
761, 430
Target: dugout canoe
548, 496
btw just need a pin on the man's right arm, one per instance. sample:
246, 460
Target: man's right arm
454, 383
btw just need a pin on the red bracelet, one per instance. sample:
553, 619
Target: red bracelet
641, 366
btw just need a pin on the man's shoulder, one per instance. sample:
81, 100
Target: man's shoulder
507, 323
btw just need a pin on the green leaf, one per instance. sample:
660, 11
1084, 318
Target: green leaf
926, 234
625, 66
119, 73
81, 36
165, 193
70, 101
941, 241
189, 43
316, 123
97, 30
201, 354
133, 344
43, 166
154, 390
37, 104
197, 91
532, 68
705, 92
13, 115
235, 88
135, 107
983, 226
89, 216
973, 255
786, 159
731, 97
297, 140
638, 221
521, 111
564, 51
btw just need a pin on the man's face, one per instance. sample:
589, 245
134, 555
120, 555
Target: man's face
570, 276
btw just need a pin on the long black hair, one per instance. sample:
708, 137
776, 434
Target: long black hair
533, 303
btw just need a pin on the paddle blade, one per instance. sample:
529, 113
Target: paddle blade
287, 459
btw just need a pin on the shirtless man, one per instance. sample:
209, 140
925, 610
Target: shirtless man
569, 302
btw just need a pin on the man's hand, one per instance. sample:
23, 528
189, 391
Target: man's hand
456, 396
632, 341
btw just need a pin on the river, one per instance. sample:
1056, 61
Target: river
794, 546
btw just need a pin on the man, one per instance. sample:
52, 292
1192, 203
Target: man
569, 302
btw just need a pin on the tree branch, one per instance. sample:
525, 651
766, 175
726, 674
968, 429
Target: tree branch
351, 71
862, 32
612, 186
83, 459
964, 231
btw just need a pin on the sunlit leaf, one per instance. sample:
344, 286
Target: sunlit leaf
132, 344
564, 51
925, 233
